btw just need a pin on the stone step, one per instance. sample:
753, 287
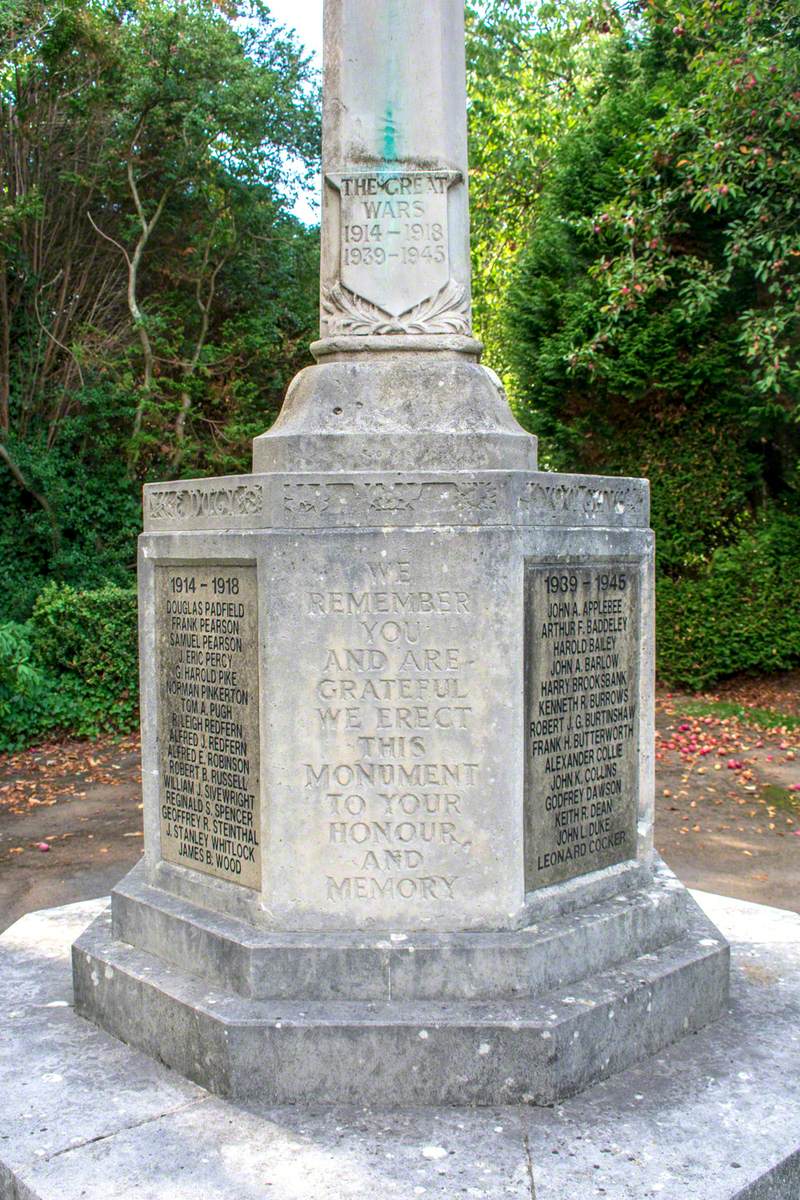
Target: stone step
418, 1051
416, 966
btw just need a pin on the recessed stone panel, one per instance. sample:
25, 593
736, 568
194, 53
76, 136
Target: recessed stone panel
581, 717
208, 735
391, 793
394, 241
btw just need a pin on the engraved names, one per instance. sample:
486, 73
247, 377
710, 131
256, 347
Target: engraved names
393, 793
207, 639
582, 719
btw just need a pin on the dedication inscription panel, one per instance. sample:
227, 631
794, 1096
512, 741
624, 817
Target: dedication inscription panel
581, 718
208, 735
392, 714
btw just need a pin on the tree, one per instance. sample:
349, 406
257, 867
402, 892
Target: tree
531, 67
655, 305
707, 215
153, 287
651, 309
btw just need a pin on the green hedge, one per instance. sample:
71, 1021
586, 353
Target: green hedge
71, 668
741, 612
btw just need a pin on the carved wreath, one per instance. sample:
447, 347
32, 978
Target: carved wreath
445, 312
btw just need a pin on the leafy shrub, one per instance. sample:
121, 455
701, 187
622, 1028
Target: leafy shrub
95, 507
88, 638
71, 668
739, 613
23, 687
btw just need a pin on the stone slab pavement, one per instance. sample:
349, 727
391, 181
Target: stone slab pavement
715, 1117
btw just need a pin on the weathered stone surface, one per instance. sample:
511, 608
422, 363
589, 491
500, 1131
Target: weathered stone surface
392, 660
391, 669
208, 734
392, 733
390, 410
395, 220
425, 966
397, 385
562, 1019
128, 1127
451, 497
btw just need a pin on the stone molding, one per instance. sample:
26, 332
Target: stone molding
364, 499
447, 311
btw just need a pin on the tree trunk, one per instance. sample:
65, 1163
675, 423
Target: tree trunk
55, 532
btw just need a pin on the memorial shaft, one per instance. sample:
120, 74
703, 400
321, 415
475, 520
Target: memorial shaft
397, 383
395, 225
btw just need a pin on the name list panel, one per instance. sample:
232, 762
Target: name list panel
208, 730
582, 718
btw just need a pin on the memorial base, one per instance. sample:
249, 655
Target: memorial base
397, 750
716, 1116
376, 701
527, 1016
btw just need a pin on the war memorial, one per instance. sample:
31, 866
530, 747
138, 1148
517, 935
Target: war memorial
397, 691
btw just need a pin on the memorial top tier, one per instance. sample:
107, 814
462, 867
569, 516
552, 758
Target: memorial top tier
395, 217
397, 384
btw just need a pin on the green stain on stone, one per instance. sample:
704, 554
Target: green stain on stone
389, 141
393, 22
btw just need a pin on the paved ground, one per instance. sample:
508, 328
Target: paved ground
83, 801
727, 799
714, 1117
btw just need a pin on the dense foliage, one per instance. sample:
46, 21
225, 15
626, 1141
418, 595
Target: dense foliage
155, 293
72, 665
650, 322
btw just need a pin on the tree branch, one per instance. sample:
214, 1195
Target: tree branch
55, 532
120, 247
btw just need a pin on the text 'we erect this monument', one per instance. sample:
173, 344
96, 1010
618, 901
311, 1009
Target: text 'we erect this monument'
397, 692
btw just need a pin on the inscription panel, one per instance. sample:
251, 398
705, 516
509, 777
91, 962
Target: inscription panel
391, 786
393, 681
394, 264
581, 718
208, 731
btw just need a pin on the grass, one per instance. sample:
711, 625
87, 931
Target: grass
778, 797
763, 718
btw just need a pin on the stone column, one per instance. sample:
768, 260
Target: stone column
395, 214
398, 383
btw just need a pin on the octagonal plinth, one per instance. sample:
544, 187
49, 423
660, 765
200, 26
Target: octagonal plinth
528, 1016
398, 794
423, 723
